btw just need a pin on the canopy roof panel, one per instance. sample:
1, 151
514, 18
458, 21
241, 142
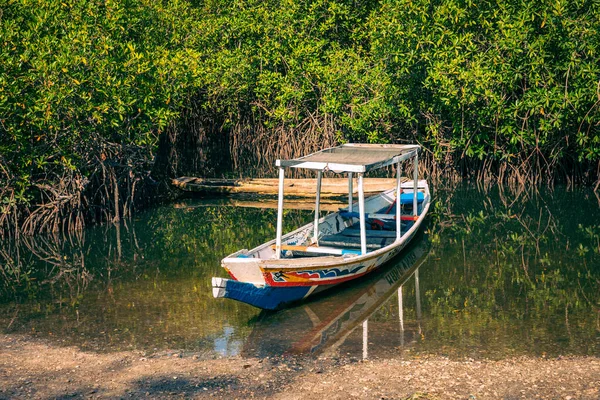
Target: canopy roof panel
354, 157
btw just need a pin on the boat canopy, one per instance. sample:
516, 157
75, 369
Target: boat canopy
353, 157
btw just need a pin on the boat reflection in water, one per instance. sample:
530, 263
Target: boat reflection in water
325, 325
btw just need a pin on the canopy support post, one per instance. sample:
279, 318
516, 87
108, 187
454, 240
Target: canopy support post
350, 189
317, 204
279, 214
361, 210
416, 179
398, 205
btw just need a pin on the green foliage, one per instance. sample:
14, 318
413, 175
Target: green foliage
86, 88
504, 81
289, 61
496, 79
80, 81
112, 68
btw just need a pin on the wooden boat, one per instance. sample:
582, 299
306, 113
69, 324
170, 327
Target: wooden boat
341, 246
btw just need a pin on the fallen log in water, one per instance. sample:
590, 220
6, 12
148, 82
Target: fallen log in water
330, 187
265, 203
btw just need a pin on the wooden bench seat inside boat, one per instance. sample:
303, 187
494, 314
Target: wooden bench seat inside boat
345, 242
317, 250
354, 231
373, 242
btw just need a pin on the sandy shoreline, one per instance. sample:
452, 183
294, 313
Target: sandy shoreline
35, 368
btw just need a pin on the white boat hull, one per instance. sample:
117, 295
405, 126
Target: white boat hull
260, 279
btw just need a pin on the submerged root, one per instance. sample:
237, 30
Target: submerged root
116, 182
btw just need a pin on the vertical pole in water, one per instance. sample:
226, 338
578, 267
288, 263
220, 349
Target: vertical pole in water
401, 316
279, 214
416, 178
316, 224
350, 189
365, 326
418, 293
398, 204
361, 210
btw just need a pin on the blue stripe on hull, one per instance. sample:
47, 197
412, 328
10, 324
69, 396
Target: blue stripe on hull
266, 297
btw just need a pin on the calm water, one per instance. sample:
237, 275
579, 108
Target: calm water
493, 275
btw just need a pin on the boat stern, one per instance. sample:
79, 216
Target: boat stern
261, 296
218, 287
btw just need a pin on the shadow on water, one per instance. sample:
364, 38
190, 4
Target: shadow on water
495, 275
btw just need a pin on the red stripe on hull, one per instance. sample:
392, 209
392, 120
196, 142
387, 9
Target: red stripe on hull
230, 274
271, 282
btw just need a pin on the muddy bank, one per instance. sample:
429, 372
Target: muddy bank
33, 368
